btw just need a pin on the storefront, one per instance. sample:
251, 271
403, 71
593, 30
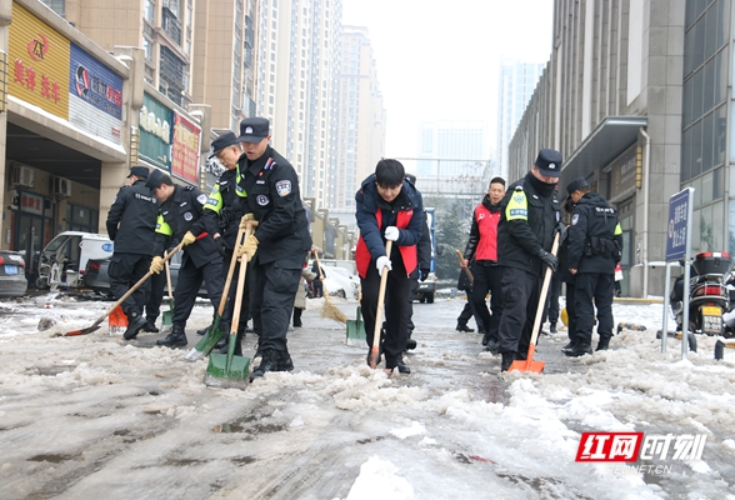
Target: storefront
63, 127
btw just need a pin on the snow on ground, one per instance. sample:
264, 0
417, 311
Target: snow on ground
92, 416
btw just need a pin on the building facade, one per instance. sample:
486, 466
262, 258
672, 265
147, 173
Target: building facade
362, 118
297, 70
611, 100
517, 83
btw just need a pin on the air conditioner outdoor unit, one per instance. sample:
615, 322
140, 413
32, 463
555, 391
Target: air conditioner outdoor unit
62, 187
23, 176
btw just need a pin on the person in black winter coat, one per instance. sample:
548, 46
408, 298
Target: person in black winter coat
595, 246
131, 224
389, 207
530, 218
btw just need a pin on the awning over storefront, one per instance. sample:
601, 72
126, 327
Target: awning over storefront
611, 138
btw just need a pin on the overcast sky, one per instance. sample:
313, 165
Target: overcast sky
440, 59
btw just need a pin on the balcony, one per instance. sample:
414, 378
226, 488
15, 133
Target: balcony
171, 25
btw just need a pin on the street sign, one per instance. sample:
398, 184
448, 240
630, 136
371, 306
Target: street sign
680, 214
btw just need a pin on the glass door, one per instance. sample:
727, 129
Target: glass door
29, 236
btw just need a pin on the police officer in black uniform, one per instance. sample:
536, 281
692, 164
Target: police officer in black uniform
529, 220
222, 214
278, 246
131, 223
181, 218
595, 246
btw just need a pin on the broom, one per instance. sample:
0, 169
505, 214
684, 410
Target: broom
329, 310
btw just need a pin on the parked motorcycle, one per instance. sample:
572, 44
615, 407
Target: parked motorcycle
709, 297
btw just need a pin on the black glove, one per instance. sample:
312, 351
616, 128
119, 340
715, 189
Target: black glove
548, 259
424, 274
561, 228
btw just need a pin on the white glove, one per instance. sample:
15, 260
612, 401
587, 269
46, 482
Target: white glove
391, 233
382, 263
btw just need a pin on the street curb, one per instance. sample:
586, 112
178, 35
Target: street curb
637, 300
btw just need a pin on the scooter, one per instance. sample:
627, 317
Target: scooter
709, 298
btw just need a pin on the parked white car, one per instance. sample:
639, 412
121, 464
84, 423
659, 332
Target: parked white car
339, 281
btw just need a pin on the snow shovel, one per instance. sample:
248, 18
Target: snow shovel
375, 349
214, 334
466, 269
529, 365
228, 370
117, 321
167, 319
95, 326
356, 327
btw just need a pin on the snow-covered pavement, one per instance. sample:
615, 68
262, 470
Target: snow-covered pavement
97, 417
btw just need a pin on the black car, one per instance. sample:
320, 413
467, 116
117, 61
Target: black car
426, 290
97, 278
13, 281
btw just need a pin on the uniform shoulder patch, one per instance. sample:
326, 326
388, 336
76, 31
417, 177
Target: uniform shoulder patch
202, 199
283, 188
575, 219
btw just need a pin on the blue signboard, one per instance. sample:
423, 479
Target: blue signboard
679, 214
95, 83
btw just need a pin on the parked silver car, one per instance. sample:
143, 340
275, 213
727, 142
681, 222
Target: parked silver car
13, 281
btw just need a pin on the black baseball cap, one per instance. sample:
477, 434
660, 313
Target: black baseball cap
225, 140
154, 180
254, 129
141, 172
576, 185
548, 162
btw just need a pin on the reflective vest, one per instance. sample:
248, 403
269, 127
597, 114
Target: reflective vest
408, 252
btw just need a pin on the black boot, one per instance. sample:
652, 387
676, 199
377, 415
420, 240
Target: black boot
568, 347
603, 344
552, 328
493, 346
464, 328
135, 323
204, 330
285, 363
508, 358
402, 367
177, 338
150, 326
410, 345
578, 350
268, 363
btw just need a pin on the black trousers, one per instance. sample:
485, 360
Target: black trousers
232, 294
125, 270
521, 291
273, 293
571, 311
601, 288
396, 317
552, 311
188, 284
153, 304
488, 279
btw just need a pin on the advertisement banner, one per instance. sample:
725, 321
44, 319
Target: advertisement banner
38, 63
155, 132
95, 102
185, 149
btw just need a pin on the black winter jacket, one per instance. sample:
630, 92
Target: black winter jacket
131, 222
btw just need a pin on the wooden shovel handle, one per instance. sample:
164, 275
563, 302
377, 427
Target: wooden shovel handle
542, 297
466, 269
241, 235
240, 281
135, 287
168, 278
375, 350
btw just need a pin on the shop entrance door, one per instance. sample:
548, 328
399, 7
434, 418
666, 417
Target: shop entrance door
29, 241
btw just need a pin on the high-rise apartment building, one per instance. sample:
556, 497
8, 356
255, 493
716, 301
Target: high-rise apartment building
450, 140
224, 60
361, 133
297, 73
164, 28
517, 83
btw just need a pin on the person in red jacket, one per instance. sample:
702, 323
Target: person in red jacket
482, 252
388, 208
